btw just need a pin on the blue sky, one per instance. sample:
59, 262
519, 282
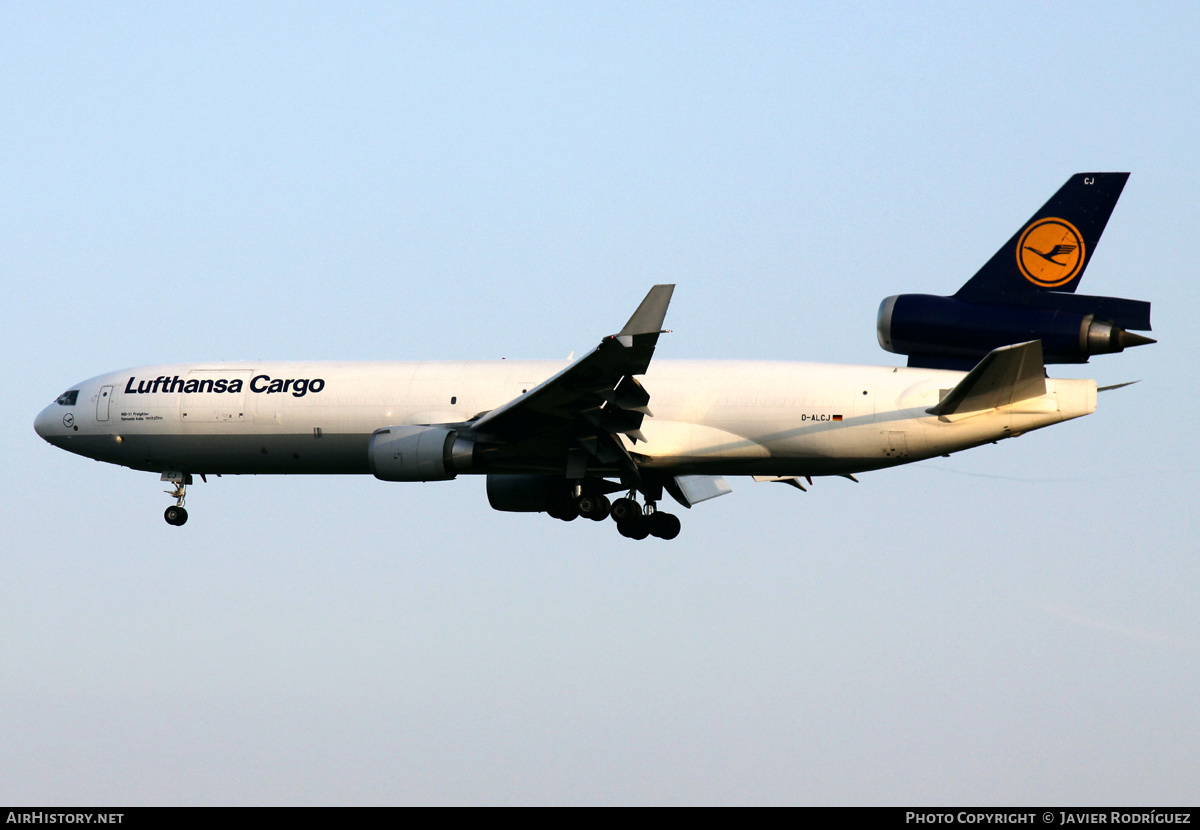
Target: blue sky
1015, 625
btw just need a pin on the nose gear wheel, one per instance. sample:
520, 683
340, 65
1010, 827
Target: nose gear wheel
176, 515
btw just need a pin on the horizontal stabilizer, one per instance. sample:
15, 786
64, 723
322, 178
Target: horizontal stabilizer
1005, 375
1117, 386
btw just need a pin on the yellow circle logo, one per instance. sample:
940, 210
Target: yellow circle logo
1050, 252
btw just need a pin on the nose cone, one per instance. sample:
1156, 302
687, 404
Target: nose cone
49, 422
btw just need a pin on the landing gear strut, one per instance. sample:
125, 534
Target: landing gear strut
176, 514
573, 501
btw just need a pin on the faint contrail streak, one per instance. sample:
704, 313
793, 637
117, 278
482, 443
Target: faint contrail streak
1161, 638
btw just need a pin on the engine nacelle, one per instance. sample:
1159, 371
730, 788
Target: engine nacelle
523, 493
419, 453
934, 329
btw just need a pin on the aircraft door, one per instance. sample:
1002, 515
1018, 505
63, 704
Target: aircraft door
102, 402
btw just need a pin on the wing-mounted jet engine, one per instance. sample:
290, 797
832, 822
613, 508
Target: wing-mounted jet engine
1026, 291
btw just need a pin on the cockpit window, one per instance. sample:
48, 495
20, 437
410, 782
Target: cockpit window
68, 398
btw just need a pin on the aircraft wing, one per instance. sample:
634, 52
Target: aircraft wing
591, 400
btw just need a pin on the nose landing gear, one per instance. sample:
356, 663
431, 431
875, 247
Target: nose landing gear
176, 514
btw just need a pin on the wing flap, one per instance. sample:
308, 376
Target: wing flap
692, 489
793, 481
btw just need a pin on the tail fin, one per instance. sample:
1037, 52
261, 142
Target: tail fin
1052, 250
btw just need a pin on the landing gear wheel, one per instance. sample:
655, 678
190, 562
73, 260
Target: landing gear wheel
664, 525
626, 508
175, 514
635, 527
595, 507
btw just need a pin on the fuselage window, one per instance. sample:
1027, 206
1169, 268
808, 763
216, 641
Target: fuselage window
68, 398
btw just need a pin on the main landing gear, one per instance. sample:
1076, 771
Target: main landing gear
633, 522
176, 514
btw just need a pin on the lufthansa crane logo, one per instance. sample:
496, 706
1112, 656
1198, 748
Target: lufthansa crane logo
1050, 252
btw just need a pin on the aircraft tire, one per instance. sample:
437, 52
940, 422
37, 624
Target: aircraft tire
664, 525
634, 528
595, 508
175, 515
623, 509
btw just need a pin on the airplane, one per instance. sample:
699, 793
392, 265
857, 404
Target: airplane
560, 437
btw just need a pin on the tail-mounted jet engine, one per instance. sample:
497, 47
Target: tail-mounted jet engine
1010, 299
420, 453
943, 332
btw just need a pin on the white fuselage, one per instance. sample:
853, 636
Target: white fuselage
715, 417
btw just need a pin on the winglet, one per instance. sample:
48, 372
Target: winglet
648, 319
1005, 375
